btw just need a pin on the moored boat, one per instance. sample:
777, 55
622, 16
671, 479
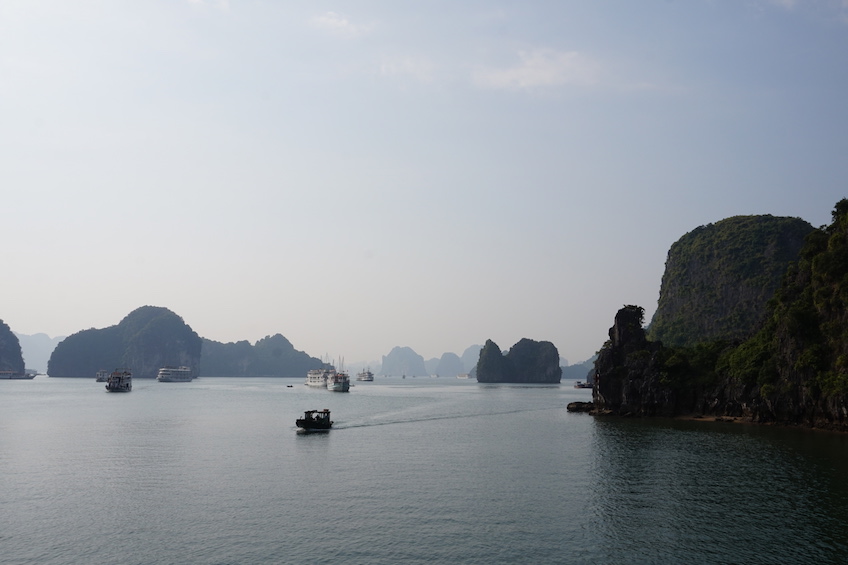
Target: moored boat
318, 377
174, 375
315, 421
101, 376
581, 384
12, 375
365, 375
339, 382
120, 380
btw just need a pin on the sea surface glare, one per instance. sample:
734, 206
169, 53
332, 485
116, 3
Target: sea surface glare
415, 470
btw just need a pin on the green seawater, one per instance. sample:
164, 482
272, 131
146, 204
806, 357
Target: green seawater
415, 471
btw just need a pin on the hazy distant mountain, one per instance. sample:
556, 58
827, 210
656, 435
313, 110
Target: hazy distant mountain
432, 365
450, 365
37, 349
470, 357
581, 371
403, 361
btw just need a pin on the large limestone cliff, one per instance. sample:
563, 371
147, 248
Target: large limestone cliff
718, 278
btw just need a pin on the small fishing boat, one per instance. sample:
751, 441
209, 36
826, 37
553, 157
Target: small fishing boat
315, 421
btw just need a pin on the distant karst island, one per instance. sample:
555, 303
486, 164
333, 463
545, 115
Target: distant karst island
527, 361
151, 337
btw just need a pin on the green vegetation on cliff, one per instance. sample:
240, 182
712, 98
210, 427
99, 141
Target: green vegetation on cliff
527, 362
803, 346
719, 278
792, 370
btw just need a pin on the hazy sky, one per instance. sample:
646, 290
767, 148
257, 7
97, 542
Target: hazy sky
366, 174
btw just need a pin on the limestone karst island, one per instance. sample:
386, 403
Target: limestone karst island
751, 324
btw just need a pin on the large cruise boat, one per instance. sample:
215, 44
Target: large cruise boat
365, 375
119, 381
318, 377
339, 382
174, 375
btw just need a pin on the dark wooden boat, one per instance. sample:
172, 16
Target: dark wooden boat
315, 420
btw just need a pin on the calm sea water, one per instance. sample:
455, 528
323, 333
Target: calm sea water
414, 471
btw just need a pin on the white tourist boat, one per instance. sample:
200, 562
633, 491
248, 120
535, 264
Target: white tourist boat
120, 380
339, 382
365, 375
174, 375
6, 374
318, 377
101, 376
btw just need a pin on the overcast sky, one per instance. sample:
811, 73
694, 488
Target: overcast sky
366, 174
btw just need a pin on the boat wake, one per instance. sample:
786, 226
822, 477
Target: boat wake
370, 423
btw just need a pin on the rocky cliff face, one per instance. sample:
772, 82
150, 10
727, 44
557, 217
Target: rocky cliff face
719, 278
10, 350
636, 377
629, 371
527, 361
